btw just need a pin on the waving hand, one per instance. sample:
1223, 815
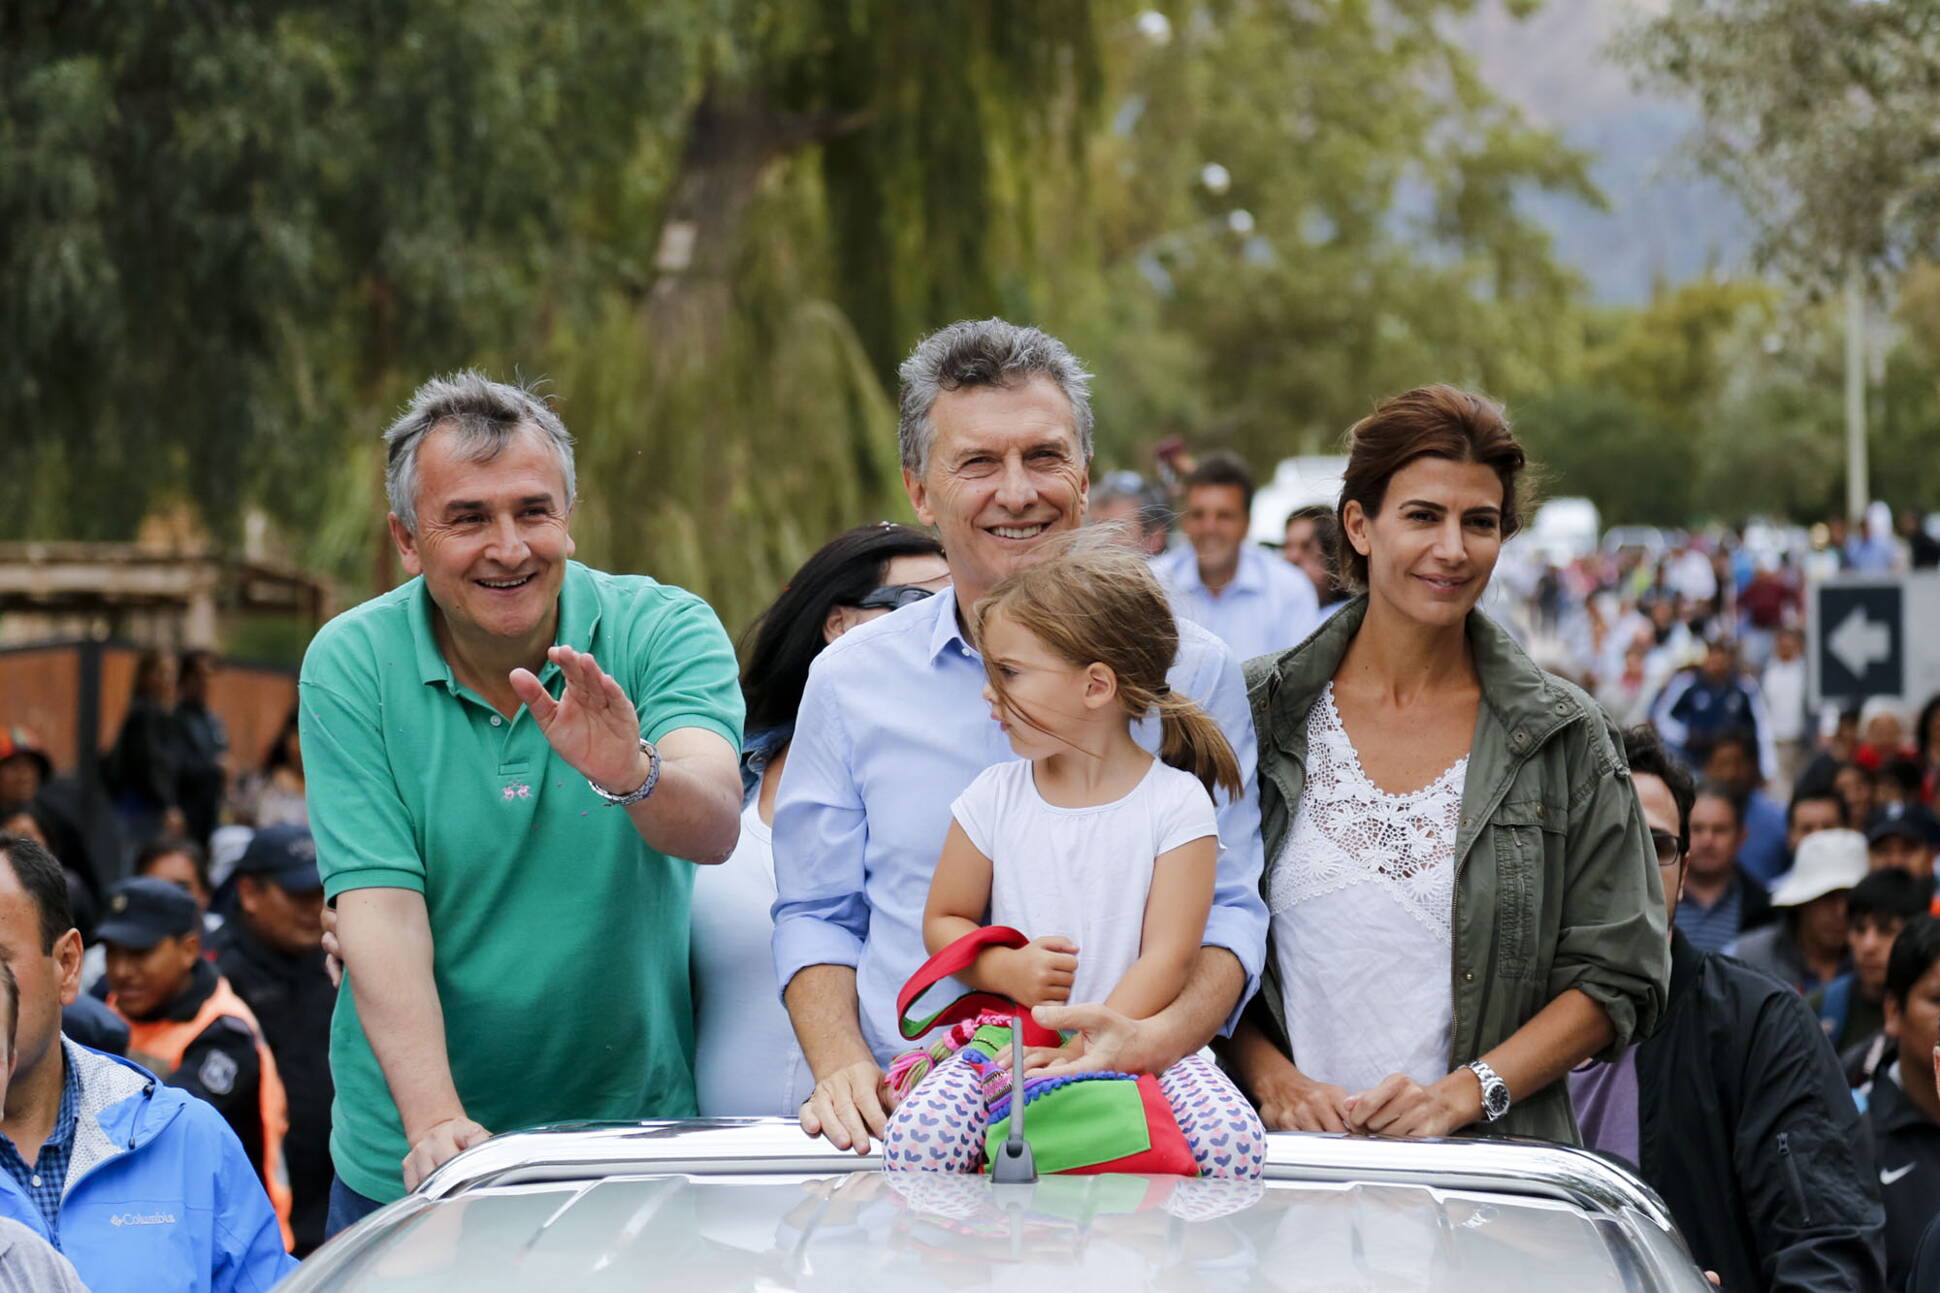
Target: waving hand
592, 725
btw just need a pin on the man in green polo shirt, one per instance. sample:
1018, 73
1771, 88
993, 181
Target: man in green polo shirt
506, 758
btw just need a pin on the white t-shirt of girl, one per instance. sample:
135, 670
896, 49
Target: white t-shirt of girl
1083, 873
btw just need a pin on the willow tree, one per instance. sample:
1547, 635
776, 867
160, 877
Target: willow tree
233, 234
850, 174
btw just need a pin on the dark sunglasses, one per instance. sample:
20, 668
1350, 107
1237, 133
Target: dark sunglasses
893, 597
1669, 847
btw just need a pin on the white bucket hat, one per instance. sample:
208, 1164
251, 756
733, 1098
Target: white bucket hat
1826, 862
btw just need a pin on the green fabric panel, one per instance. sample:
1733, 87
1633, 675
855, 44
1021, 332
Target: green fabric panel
1079, 1124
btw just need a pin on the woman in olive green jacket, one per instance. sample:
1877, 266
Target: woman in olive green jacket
1465, 902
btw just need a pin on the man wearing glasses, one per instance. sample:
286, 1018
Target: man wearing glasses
1735, 1110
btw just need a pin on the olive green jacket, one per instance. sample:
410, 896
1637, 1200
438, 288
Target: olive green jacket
1556, 883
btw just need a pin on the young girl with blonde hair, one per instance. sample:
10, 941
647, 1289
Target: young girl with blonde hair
1100, 853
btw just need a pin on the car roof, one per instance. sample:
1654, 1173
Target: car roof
753, 1203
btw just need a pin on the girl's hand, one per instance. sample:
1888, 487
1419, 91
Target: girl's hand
1401, 1106
1041, 971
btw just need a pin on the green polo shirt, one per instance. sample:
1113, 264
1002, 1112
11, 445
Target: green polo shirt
560, 937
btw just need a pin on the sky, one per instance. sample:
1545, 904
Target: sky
1664, 224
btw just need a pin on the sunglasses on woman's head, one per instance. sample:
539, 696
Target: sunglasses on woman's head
893, 597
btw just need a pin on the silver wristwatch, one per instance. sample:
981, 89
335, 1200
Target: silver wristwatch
1495, 1092
646, 787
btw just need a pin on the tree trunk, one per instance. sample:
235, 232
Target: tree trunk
732, 140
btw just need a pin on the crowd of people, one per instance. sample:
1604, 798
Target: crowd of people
1303, 833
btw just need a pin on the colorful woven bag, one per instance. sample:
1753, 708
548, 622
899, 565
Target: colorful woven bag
1082, 1123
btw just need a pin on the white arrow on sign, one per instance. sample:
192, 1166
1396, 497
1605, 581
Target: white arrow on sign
1859, 643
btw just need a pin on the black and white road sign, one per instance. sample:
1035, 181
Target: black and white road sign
1875, 636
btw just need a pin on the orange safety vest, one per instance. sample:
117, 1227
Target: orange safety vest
163, 1041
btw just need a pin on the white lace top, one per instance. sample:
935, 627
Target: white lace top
1360, 901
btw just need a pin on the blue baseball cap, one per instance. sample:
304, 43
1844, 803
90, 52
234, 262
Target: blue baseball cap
1915, 824
285, 855
145, 910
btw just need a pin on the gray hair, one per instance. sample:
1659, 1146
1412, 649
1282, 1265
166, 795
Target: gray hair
484, 415
983, 352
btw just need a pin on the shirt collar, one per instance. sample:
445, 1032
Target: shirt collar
757, 752
1251, 575
945, 634
69, 1116
1521, 695
579, 615
1893, 1112
1734, 888
1248, 577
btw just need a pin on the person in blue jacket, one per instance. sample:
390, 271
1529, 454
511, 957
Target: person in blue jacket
141, 1186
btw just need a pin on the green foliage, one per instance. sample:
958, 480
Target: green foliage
1608, 447
1379, 242
1775, 451
1823, 116
1905, 438
235, 235
1675, 356
1720, 401
235, 227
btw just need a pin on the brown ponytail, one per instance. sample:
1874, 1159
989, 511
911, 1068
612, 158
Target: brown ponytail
1093, 602
1191, 740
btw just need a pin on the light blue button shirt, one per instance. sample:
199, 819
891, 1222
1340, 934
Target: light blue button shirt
1268, 607
892, 728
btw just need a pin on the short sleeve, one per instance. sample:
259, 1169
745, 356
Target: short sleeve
685, 673
364, 832
1185, 813
977, 810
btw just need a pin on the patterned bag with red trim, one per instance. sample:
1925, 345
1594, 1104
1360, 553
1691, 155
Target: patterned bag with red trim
953, 1098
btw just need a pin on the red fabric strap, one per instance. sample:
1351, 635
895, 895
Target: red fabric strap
959, 956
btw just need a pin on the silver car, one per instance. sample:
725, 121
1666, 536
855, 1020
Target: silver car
754, 1204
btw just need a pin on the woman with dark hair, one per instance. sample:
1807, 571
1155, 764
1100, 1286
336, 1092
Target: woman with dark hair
747, 1060
273, 794
1463, 894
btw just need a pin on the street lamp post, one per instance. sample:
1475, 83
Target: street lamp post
1856, 482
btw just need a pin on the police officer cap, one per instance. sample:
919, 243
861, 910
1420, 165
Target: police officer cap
144, 911
284, 854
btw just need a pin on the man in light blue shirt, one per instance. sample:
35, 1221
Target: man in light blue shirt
1254, 602
996, 447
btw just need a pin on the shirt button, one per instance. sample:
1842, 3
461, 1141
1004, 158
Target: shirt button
497, 721
36, 1182
1468, 977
